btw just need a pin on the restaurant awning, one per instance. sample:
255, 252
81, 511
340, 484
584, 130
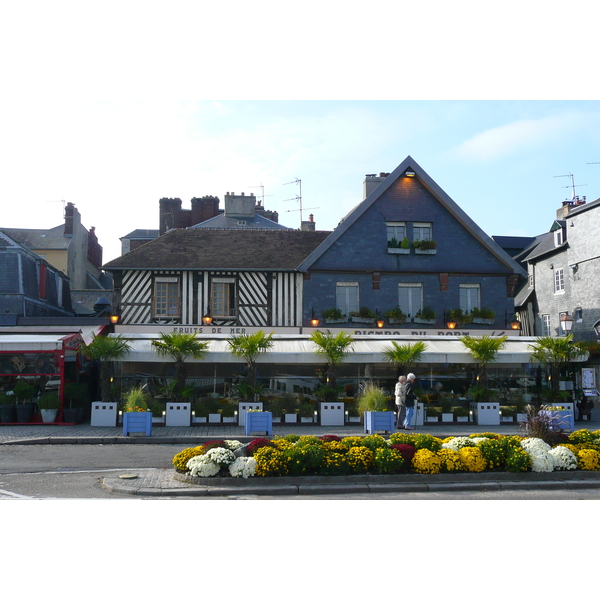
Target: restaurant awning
290, 349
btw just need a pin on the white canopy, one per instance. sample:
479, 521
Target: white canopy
290, 349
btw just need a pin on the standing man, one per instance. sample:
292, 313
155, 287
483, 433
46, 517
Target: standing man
410, 400
400, 393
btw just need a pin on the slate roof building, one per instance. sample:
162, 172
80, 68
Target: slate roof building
563, 268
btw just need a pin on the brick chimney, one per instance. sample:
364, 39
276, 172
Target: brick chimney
309, 225
203, 209
568, 206
169, 214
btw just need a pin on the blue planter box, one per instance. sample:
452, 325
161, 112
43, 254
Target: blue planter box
379, 421
564, 418
258, 421
137, 422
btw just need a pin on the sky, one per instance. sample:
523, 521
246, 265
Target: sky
506, 163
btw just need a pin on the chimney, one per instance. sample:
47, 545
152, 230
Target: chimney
72, 219
203, 209
239, 206
169, 214
371, 182
309, 225
564, 210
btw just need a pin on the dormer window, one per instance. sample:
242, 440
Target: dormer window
560, 233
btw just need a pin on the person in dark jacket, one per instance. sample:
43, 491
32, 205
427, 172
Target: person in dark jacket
411, 399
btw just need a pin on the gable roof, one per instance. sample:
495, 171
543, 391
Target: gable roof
41, 239
410, 164
188, 249
224, 221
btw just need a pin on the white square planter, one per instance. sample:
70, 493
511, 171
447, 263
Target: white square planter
199, 419
228, 419
306, 419
291, 418
214, 418
486, 413
104, 414
447, 418
507, 419
276, 419
179, 414
332, 413
462, 419
244, 407
433, 419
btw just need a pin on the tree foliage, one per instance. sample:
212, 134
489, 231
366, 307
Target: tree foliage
483, 350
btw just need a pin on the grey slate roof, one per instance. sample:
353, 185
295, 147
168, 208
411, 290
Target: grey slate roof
189, 249
142, 234
224, 221
36, 239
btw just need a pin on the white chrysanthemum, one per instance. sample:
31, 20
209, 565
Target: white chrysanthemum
202, 466
535, 443
233, 444
476, 440
564, 459
243, 466
220, 456
459, 442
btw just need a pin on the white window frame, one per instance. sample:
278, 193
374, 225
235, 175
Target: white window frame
222, 308
422, 232
396, 229
558, 237
413, 302
546, 325
468, 305
167, 297
559, 281
345, 304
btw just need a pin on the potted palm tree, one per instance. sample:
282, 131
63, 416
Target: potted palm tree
179, 347
484, 350
249, 347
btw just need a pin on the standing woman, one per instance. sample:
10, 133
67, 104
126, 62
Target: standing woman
411, 398
400, 393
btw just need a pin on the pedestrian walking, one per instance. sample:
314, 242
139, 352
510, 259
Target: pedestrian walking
410, 399
400, 393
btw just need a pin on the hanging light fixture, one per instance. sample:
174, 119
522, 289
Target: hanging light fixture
566, 323
207, 319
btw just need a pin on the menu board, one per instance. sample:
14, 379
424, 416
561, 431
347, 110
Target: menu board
588, 379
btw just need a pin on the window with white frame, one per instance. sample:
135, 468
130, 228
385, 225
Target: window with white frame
546, 325
559, 280
469, 296
422, 232
396, 230
410, 298
166, 297
222, 297
346, 296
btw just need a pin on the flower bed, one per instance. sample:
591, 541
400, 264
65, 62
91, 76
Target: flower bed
403, 452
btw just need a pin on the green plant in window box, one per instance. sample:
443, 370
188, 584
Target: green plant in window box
396, 315
425, 314
393, 243
483, 313
459, 316
227, 411
363, 313
425, 244
405, 243
334, 313
460, 411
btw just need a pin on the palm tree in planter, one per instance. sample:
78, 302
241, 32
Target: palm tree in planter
248, 347
334, 348
179, 347
556, 353
106, 349
483, 350
404, 356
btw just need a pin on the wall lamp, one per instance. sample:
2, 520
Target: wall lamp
409, 173
313, 319
566, 323
450, 323
207, 319
513, 323
114, 319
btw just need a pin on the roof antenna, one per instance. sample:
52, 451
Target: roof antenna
262, 193
297, 198
572, 186
63, 203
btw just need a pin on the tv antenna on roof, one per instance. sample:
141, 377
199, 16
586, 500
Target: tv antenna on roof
573, 186
298, 198
63, 203
262, 193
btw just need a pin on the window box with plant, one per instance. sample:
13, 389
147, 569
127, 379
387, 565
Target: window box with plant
433, 413
396, 247
425, 316
364, 315
461, 413
458, 316
396, 316
507, 414
483, 316
425, 247
446, 410
334, 315
227, 413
